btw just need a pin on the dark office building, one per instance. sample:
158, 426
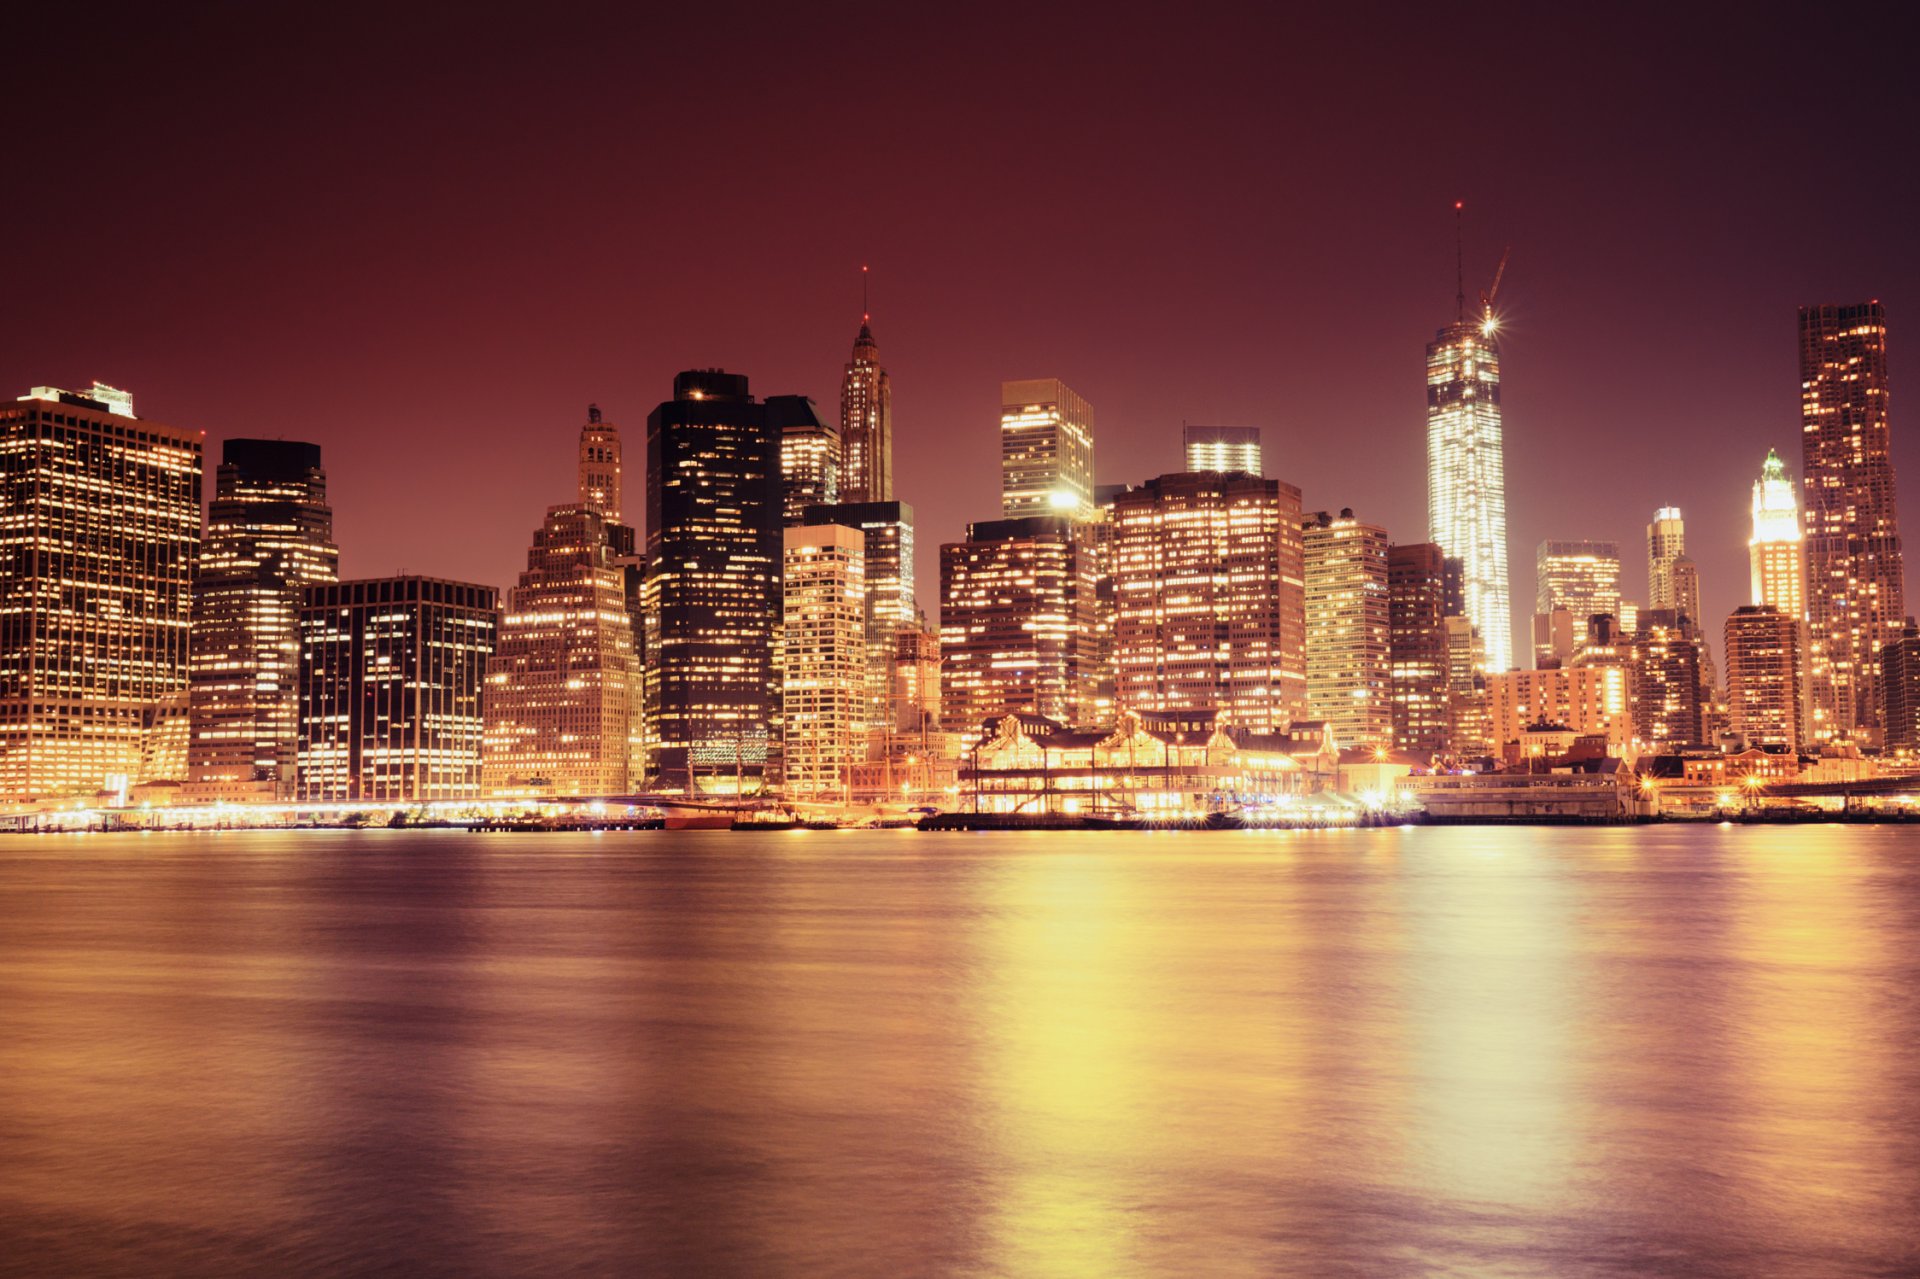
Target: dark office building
1417, 649
391, 672
712, 593
809, 455
1900, 684
269, 534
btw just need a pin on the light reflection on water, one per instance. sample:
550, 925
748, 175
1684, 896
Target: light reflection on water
1448, 1051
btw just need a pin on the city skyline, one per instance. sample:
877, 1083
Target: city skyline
1649, 231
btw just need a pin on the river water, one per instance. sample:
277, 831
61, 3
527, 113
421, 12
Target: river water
1474, 1052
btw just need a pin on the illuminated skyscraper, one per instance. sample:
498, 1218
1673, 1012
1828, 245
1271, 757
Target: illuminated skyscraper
1222, 448
712, 593
1417, 649
564, 685
98, 548
1765, 676
809, 455
887, 569
269, 533
1777, 550
1046, 450
1666, 653
1581, 577
1016, 601
1466, 479
1209, 598
391, 672
823, 649
1900, 682
866, 425
1855, 592
1349, 629
1666, 545
1591, 700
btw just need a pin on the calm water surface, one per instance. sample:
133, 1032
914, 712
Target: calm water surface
1676, 1051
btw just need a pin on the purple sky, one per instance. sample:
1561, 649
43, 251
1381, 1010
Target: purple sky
427, 248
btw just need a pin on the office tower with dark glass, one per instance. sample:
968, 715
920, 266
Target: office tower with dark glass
1046, 450
1417, 647
1855, 590
1016, 605
564, 683
269, 534
1222, 448
391, 673
712, 593
1209, 602
866, 424
1466, 478
97, 557
809, 455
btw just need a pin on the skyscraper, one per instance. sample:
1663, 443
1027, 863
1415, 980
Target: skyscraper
1222, 448
1666, 544
1776, 551
1855, 589
1466, 477
1046, 450
1900, 686
1765, 675
809, 455
712, 593
888, 600
269, 533
866, 425
391, 672
1209, 598
1016, 602
564, 684
1666, 659
1349, 628
1574, 581
1417, 647
823, 648
98, 548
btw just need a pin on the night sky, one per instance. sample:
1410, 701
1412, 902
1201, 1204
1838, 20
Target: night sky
427, 248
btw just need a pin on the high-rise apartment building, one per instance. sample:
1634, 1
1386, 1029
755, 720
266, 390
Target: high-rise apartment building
810, 455
98, 547
269, 534
1349, 628
1766, 672
1900, 688
1466, 475
1222, 448
1417, 647
823, 653
564, 684
1855, 590
1209, 598
391, 677
1666, 653
1046, 450
1777, 550
1016, 601
866, 425
712, 592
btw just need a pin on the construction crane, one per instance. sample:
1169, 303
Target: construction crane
1493, 291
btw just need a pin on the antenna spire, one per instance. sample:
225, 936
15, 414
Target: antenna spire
866, 312
1459, 265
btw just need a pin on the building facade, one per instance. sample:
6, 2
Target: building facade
1222, 448
1585, 700
1349, 628
1581, 577
1466, 475
889, 594
1417, 647
1046, 450
711, 598
392, 673
1016, 603
1209, 601
1666, 656
810, 456
1666, 546
1900, 687
1777, 550
1766, 672
99, 544
823, 651
269, 534
1855, 590
866, 424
